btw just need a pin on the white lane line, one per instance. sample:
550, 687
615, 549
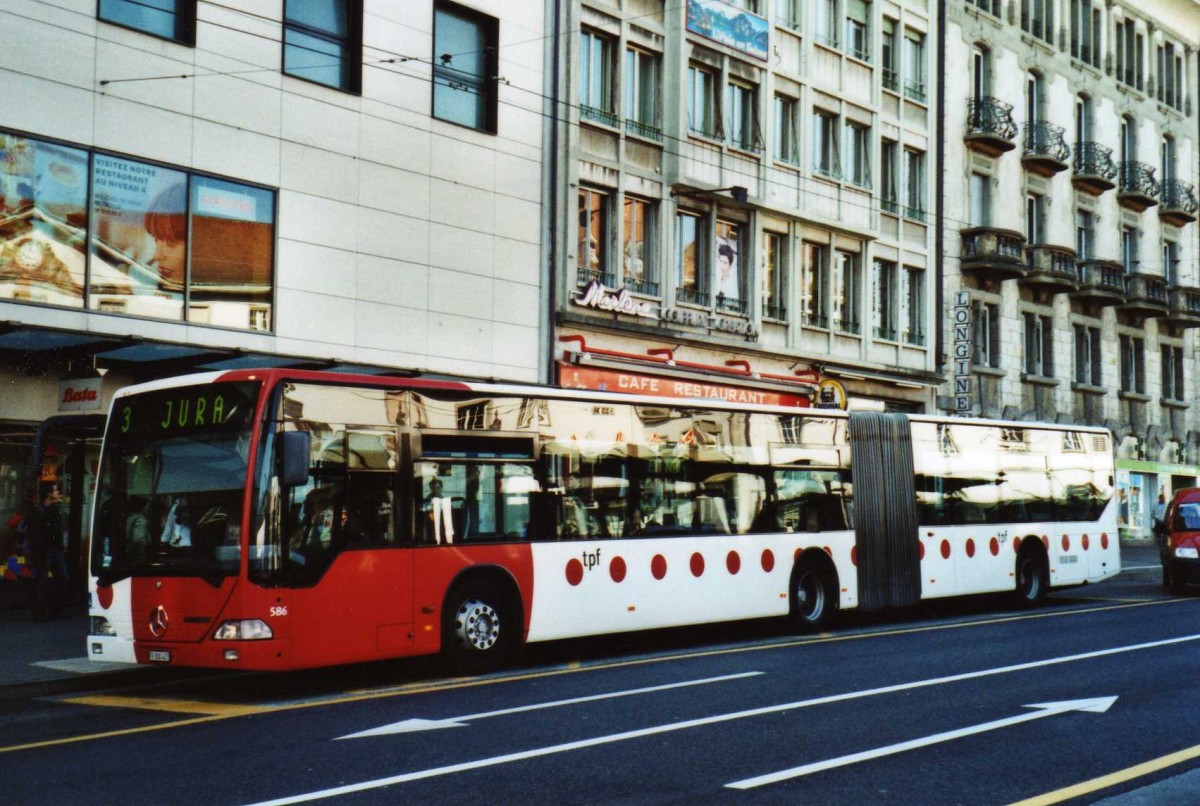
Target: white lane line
509, 758
1094, 705
411, 725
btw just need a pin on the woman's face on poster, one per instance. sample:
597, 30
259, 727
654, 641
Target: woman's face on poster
169, 258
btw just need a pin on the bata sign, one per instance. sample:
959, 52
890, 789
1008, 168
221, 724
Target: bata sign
80, 394
596, 295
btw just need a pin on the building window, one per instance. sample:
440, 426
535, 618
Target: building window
886, 301
1085, 234
689, 258
465, 60
774, 277
1085, 32
890, 56
990, 6
814, 306
1129, 250
592, 249
1170, 86
979, 200
1170, 262
596, 78
741, 117
1039, 346
1167, 158
1083, 120
858, 42
826, 161
1172, 373
639, 247
729, 283
912, 296
846, 273
1035, 219
914, 184
787, 13
322, 42
1088, 362
985, 334
1037, 18
858, 154
787, 146
1129, 45
825, 22
702, 101
641, 94
1133, 365
914, 65
169, 19
889, 194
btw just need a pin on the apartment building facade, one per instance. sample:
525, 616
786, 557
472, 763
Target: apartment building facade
745, 200
1071, 269
190, 186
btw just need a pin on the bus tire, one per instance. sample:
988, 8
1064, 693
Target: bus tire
813, 595
481, 627
1033, 576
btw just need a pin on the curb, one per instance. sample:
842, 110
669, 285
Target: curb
80, 682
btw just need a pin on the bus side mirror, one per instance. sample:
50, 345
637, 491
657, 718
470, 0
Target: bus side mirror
294, 448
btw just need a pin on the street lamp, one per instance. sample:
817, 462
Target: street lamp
738, 192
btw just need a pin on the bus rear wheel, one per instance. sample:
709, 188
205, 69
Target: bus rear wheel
1032, 578
481, 628
813, 596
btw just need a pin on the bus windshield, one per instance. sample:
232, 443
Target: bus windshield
172, 483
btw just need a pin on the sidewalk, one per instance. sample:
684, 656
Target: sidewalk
39, 658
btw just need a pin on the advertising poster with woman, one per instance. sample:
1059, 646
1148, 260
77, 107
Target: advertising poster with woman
728, 284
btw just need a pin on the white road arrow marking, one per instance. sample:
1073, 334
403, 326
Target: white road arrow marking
1097, 705
413, 725
613, 738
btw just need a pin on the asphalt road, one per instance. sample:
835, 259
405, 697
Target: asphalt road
1088, 699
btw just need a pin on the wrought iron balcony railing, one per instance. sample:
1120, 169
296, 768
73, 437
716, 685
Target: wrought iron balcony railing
731, 305
1095, 169
647, 287
990, 126
646, 130
1138, 188
584, 275
1179, 203
691, 296
1046, 149
598, 115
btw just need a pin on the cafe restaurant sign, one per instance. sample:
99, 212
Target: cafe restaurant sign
639, 383
596, 295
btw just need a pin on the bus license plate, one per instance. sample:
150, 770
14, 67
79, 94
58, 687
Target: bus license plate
160, 656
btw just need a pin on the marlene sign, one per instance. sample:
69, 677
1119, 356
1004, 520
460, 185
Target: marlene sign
637, 383
80, 394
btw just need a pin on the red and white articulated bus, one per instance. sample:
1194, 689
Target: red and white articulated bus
280, 519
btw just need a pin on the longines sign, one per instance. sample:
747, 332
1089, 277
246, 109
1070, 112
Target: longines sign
596, 295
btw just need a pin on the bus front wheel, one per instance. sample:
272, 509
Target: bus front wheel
813, 596
481, 628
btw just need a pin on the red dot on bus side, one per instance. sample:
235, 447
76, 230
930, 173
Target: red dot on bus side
854, 555
945, 549
104, 595
921, 549
1066, 542
768, 560
796, 554
994, 547
1045, 543
733, 562
1086, 542
970, 547
829, 551
574, 571
1016, 545
617, 569
658, 566
1104, 540
697, 564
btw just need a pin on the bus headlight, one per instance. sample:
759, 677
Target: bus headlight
250, 629
102, 626
1187, 553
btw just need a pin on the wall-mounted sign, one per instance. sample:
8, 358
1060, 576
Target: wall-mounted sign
595, 295
80, 394
729, 25
962, 352
831, 395
571, 376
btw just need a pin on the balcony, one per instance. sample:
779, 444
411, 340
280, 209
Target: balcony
1046, 150
1183, 307
1179, 203
1138, 189
1099, 282
990, 127
1145, 295
993, 254
1095, 170
1050, 268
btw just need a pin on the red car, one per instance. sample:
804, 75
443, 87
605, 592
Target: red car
1179, 545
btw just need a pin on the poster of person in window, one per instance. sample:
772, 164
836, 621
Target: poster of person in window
43, 215
727, 287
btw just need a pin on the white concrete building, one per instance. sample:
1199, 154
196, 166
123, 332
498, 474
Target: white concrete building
1072, 162
193, 185
746, 193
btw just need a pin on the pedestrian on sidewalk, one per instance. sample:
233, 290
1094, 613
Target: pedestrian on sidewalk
43, 532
